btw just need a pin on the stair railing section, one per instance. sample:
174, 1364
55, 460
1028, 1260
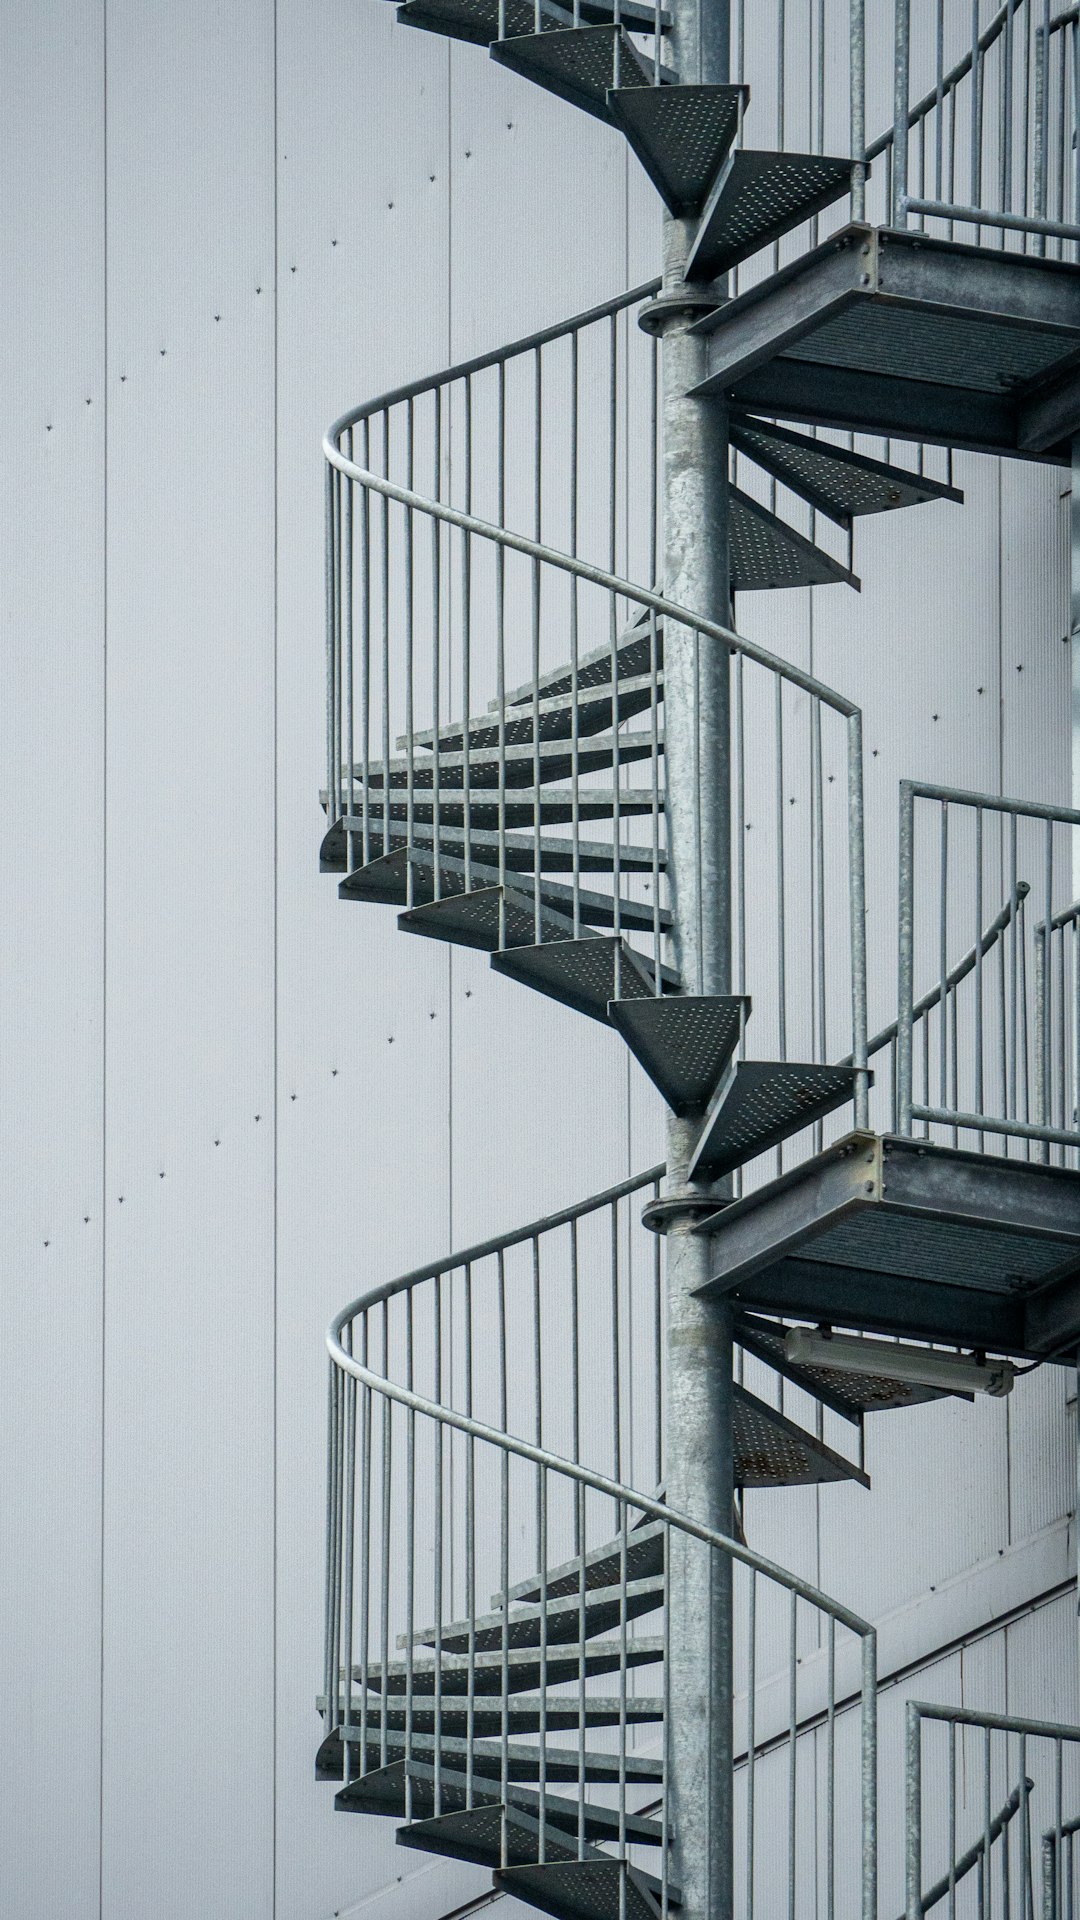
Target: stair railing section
983, 143
547, 807
958, 1764
990, 1059
497, 1660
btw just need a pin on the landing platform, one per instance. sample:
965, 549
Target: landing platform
895, 333
889, 1235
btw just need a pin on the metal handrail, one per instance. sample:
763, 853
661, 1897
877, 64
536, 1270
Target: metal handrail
949, 81
967, 1861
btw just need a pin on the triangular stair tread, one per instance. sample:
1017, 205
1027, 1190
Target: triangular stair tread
385, 880
556, 851
583, 974
489, 919
527, 1621
758, 1104
556, 715
773, 1451
578, 64
476, 1834
524, 1760
683, 1041
757, 198
477, 21
522, 1712
644, 1556
517, 766
519, 805
525, 1670
633, 657
849, 1394
681, 135
383, 1791
835, 480
588, 1890
766, 553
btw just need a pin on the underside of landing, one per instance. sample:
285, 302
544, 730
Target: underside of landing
899, 1236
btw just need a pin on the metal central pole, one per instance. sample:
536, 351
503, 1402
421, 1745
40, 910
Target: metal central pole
699, 1390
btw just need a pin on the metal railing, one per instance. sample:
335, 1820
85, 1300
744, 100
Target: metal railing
488, 1416
997, 1061
553, 801
983, 143
958, 1762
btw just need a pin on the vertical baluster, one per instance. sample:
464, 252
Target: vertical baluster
986, 1877
952, 1818
901, 110
575, 716
365, 1591
613, 497
470, 1542
436, 661
943, 952
500, 642
410, 713
384, 577
975, 129
437, 1544
365, 645
537, 520
331, 638
541, 1538
410, 1549
830, 1773
349, 803
793, 1737
751, 1735
385, 1515
504, 1560
980, 1038
349, 1385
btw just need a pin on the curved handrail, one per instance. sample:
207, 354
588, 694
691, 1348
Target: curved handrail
586, 1477
544, 337
597, 576
951, 80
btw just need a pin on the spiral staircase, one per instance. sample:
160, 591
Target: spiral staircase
507, 1668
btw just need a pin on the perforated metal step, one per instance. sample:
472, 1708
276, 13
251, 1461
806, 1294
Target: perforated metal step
684, 1041
836, 481
556, 852
773, 1451
477, 21
524, 1760
849, 1394
758, 1104
594, 708
525, 1670
490, 919
604, 1609
589, 1890
383, 1791
386, 880
521, 1713
580, 64
518, 765
637, 650
583, 974
477, 1834
643, 1553
757, 198
520, 806
766, 553
680, 134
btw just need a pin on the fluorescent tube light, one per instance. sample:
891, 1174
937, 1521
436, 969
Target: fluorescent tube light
918, 1366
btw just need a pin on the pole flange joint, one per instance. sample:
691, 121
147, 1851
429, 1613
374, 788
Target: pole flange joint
682, 1211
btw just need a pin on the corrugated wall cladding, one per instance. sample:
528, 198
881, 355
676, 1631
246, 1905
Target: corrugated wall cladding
231, 1102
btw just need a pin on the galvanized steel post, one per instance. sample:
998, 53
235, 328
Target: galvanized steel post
1074, 651
698, 1411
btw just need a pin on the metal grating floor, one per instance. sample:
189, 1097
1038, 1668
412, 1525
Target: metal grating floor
588, 1890
683, 1041
944, 349
966, 1254
520, 805
680, 134
476, 1833
593, 707
560, 1763
604, 1608
633, 657
477, 20
525, 1669
603, 1566
772, 1451
840, 483
517, 765
762, 1102
759, 197
524, 1713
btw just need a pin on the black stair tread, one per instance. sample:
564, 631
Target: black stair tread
518, 765
767, 553
478, 21
758, 197
850, 1394
633, 657
579, 64
383, 1791
519, 805
524, 1713
644, 1556
524, 1760
683, 1041
385, 880
556, 850
583, 974
556, 715
835, 480
588, 1890
773, 1451
680, 134
525, 1669
476, 1833
524, 1622
759, 1103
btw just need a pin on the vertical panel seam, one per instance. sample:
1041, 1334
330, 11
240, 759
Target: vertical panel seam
104, 914
275, 1012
